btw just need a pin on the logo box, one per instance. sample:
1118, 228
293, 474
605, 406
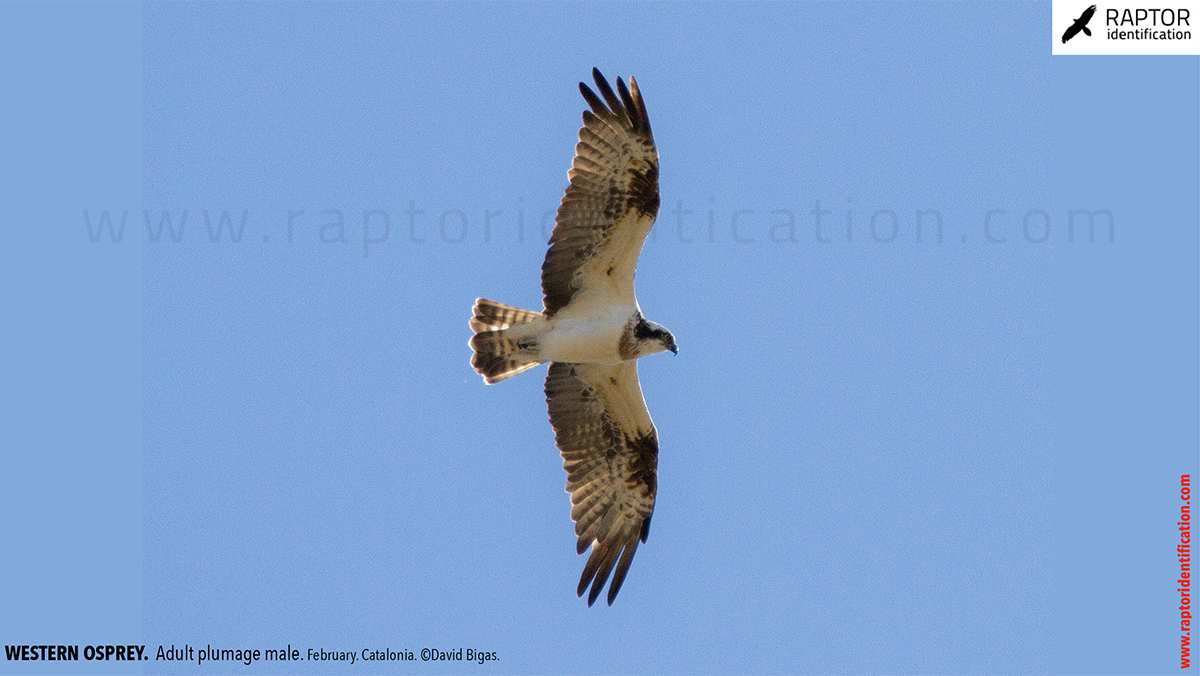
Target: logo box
1126, 27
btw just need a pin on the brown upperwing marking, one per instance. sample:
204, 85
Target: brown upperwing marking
643, 189
644, 464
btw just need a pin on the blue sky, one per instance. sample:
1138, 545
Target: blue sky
885, 445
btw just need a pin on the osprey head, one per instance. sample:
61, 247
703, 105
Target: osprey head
652, 338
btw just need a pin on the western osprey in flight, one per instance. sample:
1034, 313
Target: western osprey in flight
592, 332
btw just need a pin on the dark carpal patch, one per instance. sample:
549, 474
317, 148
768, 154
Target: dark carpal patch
643, 190
643, 463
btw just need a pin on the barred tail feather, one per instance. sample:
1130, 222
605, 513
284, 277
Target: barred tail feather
499, 356
493, 316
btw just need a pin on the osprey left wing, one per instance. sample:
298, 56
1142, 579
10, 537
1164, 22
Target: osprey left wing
609, 206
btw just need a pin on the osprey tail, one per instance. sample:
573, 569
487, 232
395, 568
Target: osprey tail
499, 353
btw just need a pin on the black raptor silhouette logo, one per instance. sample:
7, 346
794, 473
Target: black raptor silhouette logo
1080, 24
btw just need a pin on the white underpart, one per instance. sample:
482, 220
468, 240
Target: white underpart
580, 334
589, 328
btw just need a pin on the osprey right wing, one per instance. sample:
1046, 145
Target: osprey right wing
610, 452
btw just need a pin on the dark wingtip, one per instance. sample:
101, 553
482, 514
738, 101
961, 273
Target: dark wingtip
610, 97
592, 100
595, 594
625, 103
643, 116
630, 106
